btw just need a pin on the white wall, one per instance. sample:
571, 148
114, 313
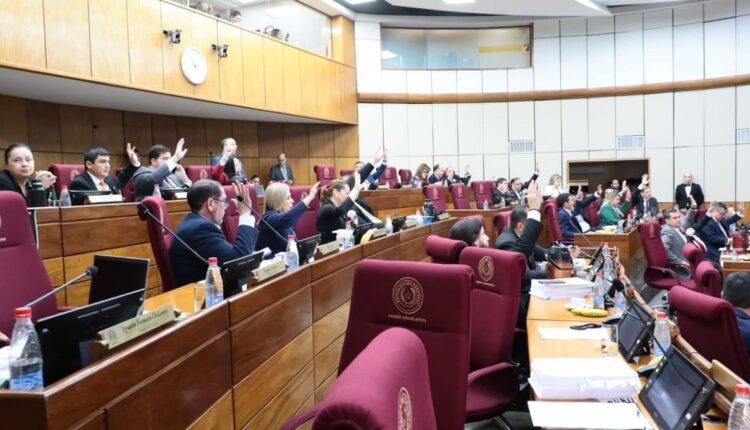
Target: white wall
692, 130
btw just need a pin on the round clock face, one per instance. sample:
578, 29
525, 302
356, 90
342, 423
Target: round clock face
194, 65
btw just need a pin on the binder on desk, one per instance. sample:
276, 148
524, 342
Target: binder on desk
562, 288
583, 378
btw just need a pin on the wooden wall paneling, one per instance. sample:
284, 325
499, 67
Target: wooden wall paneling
252, 167
84, 236
332, 291
342, 38
172, 17
76, 131
334, 262
97, 422
270, 139
23, 410
344, 163
22, 38
286, 403
309, 403
108, 21
346, 141
231, 75
43, 126
337, 76
218, 416
262, 335
50, 240
304, 174
308, 82
273, 63
246, 135
146, 44
327, 362
66, 28
264, 167
180, 393
349, 96
42, 160
322, 390
137, 131
414, 249
330, 327
292, 77
216, 131
13, 120
253, 65
163, 132
323, 87
261, 296
258, 388
75, 264
107, 131
205, 34
54, 267
321, 139
194, 132
296, 140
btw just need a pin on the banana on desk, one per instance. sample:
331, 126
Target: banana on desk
587, 312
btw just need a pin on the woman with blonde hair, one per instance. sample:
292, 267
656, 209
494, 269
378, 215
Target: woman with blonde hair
612, 210
282, 214
336, 207
555, 187
420, 176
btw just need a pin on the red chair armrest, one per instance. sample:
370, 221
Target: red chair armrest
301, 418
664, 272
473, 376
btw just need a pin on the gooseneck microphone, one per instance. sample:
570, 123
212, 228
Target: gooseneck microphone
143, 212
90, 271
241, 200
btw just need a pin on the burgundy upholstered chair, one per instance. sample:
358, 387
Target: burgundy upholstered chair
549, 210
443, 250
694, 254
431, 300
231, 222
436, 194
307, 224
707, 279
196, 173
658, 274
128, 192
405, 175
501, 220
18, 250
709, 324
65, 174
482, 191
324, 173
460, 195
592, 213
379, 389
498, 276
160, 240
389, 177
346, 172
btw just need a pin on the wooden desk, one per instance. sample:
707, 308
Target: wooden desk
729, 266
250, 362
395, 202
554, 310
632, 256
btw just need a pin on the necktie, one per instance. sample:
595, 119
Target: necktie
170, 182
283, 172
102, 185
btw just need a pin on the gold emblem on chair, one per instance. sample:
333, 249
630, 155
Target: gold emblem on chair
481, 188
407, 295
74, 173
326, 171
459, 192
651, 231
405, 415
486, 268
203, 174
435, 193
303, 195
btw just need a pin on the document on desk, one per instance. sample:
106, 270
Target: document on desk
583, 378
563, 288
557, 333
587, 415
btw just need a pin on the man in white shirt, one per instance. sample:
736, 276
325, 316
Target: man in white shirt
96, 177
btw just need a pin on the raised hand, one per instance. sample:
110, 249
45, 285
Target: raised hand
645, 179
241, 190
311, 194
377, 156
533, 197
179, 151
599, 189
135, 160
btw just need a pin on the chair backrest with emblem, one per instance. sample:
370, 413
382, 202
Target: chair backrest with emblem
388, 177
196, 173
460, 196
160, 240
436, 194
306, 225
482, 191
65, 174
325, 173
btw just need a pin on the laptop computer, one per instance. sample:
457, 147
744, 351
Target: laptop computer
117, 276
235, 273
306, 248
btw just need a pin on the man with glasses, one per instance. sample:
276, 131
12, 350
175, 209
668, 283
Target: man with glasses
201, 230
714, 230
281, 172
674, 239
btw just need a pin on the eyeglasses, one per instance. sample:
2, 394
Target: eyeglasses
225, 202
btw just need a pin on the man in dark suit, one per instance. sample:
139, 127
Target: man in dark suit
646, 206
515, 194
713, 230
500, 193
674, 239
685, 189
96, 177
281, 172
570, 208
164, 169
737, 292
438, 175
201, 230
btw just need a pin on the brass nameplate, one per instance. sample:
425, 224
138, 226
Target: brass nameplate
179, 195
138, 326
409, 223
107, 198
262, 273
443, 216
406, 186
328, 248
379, 233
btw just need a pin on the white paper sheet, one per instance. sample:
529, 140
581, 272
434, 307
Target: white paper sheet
555, 333
4, 363
583, 378
587, 415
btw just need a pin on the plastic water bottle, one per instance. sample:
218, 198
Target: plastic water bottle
214, 284
598, 300
739, 414
25, 354
65, 197
608, 270
348, 236
157, 191
486, 205
605, 249
292, 253
662, 339
389, 225
418, 215
621, 302
502, 202
734, 255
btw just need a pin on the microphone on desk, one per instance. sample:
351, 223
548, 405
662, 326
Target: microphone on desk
241, 200
143, 212
90, 271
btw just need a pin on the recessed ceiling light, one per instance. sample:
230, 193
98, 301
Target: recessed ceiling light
359, 1
459, 1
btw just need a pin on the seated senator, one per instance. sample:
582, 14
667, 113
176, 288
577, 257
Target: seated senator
612, 210
737, 292
96, 177
163, 170
19, 172
421, 176
337, 207
471, 231
451, 177
201, 230
500, 193
570, 209
282, 214
714, 230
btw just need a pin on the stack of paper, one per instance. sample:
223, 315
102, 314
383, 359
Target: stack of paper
563, 288
588, 415
559, 333
583, 378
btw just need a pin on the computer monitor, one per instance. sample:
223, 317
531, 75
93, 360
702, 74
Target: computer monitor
306, 248
360, 231
117, 276
66, 338
234, 274
633, 330
398, 223
596, 263
677, 393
